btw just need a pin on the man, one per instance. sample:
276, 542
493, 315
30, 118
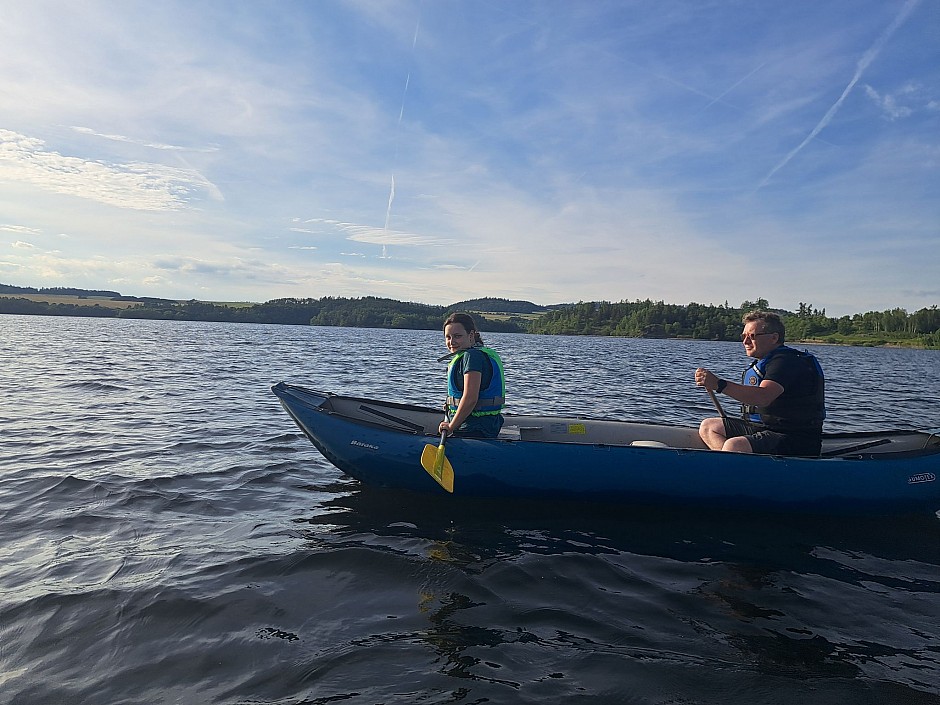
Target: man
782, 396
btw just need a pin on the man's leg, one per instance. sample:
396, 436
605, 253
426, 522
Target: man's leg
712, 431
738, 444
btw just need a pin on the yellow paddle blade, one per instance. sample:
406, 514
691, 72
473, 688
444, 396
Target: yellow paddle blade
438, 466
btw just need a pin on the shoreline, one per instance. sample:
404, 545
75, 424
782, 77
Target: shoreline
101, 312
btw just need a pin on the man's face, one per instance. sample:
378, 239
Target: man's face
757, 342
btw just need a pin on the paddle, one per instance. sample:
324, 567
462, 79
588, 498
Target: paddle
733, 427
437, 465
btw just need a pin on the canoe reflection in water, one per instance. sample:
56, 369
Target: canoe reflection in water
587, 598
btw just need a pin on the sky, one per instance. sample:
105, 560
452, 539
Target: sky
436, 151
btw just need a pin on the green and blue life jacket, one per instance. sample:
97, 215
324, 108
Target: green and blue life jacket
492, 398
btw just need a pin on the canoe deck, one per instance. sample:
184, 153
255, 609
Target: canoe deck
590, 431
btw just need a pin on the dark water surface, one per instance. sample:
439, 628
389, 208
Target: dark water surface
168, 536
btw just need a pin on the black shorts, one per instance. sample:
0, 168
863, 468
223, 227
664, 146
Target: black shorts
766, 442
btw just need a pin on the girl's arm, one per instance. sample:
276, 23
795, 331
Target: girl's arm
471, 393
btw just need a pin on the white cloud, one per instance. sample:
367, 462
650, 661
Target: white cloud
135, 185
903, 103
19, 229
380, 236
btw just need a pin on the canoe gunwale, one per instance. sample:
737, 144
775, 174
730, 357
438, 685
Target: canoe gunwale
526, 428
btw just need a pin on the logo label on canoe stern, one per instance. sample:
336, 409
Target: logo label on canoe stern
360, 444
922, 477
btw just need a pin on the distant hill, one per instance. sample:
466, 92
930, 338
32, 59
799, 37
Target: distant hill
487, 305
640, 319
10, 289
493, 305
57, 291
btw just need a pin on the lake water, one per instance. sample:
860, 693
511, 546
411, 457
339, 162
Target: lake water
169, 536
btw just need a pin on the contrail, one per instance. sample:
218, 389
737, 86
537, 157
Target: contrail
391, 200
718, 99
863, 64
388, 213
401, 114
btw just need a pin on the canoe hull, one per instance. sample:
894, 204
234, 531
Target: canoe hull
388, 454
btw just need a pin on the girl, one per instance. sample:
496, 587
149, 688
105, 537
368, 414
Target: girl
476, 386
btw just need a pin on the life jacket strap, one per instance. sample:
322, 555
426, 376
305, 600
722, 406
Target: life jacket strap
452, 402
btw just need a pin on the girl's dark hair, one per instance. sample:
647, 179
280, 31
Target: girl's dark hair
469, 325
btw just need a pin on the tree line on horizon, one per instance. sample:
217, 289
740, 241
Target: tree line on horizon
657, 319
635, 319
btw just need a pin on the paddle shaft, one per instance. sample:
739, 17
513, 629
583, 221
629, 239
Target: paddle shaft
439, 458
721, 411
733, 426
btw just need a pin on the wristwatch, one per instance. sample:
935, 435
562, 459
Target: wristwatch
722, 383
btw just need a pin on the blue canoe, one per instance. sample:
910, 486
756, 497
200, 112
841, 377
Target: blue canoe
381, 443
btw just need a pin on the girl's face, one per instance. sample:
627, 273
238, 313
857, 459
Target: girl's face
457, 337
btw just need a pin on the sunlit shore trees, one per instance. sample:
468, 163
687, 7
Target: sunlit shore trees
656, 319
638, 319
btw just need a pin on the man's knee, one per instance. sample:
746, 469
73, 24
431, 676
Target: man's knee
712, 426
712, 433
738, 444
